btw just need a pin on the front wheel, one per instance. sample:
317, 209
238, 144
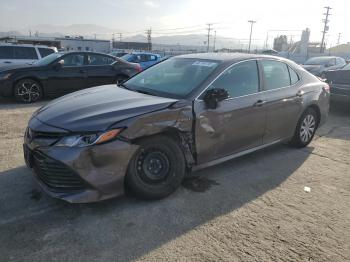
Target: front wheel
157, 168
28, 91
306, 129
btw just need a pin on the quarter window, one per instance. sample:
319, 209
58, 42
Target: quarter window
276, 74
240, 80
25, 53
294, 78
45, 52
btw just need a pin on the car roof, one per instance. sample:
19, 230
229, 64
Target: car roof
228, 57
143, 53
27, 45
83, 52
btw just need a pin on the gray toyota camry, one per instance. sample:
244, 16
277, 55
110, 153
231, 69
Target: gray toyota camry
183, 114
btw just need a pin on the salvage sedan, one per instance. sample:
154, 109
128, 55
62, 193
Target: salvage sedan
186, 113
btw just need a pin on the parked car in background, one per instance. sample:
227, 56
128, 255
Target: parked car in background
339, 81
61, 73
185, 113
118, 53
145, 60
15, 54
320, 65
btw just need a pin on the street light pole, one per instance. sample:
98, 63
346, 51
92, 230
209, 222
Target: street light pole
252, 22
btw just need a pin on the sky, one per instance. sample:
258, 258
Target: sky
169, 17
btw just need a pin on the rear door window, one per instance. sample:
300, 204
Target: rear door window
242, 79
45, 51
73, 60
7, 52
95, 59
25, 53
276, 74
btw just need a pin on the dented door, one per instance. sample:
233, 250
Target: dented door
237, 124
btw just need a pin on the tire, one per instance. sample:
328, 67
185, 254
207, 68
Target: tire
157, 168
120, 79
306, 129
28, 91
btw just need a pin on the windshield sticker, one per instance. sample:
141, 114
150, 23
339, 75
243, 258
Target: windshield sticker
201, 63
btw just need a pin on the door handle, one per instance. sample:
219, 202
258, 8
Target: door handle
300, 93
260, 103
7, 62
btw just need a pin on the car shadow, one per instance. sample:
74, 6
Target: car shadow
35, 227
7, 103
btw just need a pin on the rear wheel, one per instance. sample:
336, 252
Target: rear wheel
306, 129
28, 91
157, 168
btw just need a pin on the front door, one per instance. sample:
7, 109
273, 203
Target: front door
238, 123
71, 77
100, 70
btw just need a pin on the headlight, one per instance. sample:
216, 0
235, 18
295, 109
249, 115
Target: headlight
5, 76
88, 140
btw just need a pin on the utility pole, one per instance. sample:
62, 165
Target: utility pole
339, 36
325, 28
149, 38
214, 40
209, 29
120, 36
252, 22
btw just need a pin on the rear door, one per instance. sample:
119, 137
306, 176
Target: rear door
238, 123
99, 70
24, 55
283, 96
71, 77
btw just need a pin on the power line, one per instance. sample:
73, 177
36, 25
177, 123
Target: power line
325, 28
252, 22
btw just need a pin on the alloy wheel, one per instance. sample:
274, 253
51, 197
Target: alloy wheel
29, 92
307, 128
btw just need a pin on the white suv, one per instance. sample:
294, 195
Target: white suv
17, 54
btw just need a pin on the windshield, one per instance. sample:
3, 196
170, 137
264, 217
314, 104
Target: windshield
318, 61
175, 77
48, 59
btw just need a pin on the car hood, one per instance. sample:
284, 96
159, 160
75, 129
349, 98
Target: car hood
96, 109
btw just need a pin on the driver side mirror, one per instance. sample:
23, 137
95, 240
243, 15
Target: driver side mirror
213, 96
58, 66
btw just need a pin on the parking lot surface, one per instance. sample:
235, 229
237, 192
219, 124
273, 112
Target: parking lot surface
253, 208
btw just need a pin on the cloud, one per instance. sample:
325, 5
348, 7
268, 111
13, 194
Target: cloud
151, 4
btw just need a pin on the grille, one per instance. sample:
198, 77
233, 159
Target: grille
55, 175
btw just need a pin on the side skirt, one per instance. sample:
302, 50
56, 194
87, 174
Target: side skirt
242, 153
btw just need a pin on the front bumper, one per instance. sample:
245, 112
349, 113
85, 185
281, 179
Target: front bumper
81, 175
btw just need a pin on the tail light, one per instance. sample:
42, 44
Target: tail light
138, 68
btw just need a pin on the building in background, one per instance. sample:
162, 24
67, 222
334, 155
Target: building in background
140, 46
67, 43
